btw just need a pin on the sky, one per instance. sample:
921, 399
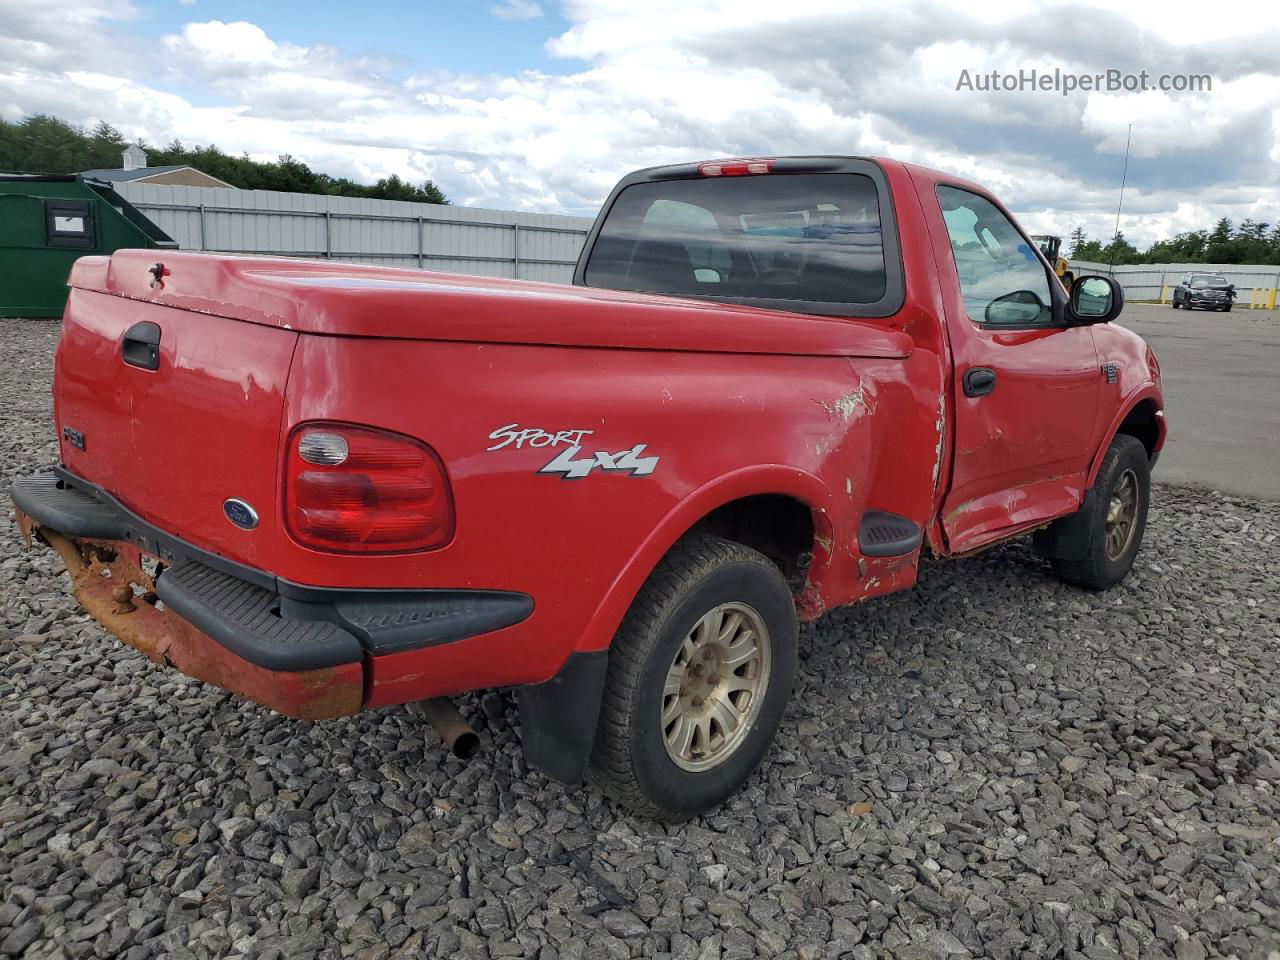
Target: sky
542, 105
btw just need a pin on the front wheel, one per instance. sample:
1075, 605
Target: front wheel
699, 674
1175, 301
1096, 547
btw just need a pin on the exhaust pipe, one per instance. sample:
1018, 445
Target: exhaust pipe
456, 733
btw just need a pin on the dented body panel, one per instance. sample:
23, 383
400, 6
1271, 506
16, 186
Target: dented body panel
582, 432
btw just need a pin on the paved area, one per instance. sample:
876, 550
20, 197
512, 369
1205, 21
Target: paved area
1222, 395
991, 765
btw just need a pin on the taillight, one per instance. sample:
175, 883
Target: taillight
359, 490
736, 168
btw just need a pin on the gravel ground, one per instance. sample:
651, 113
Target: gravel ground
992, 764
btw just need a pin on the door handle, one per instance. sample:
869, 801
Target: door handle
141, 346
979, 381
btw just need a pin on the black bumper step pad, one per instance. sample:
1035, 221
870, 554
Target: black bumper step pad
246, 620
55, 504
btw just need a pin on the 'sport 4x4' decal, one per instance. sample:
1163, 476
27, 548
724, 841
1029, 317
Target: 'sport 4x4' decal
571, 463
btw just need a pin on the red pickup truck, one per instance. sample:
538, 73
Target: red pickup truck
773, 385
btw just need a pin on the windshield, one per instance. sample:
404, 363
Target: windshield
806, 237
1208, 280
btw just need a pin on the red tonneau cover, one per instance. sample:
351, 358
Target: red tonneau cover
343, 299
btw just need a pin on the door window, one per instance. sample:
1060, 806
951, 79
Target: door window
1002, 281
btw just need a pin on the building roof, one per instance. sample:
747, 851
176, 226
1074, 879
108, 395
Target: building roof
141, 173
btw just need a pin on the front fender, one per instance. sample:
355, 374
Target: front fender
1147, 390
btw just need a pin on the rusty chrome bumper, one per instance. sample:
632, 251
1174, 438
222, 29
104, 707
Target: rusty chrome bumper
303, 651
108, 580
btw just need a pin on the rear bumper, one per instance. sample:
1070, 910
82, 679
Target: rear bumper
303, 651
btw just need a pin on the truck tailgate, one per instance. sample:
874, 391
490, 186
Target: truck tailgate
174, 443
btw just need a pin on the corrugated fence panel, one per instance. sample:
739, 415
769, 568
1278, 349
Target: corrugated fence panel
498, 243
1145, 281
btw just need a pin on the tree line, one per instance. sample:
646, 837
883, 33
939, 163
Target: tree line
1250, 242
44, 144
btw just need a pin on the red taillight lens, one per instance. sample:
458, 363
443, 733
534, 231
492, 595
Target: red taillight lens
736, 168
358, 490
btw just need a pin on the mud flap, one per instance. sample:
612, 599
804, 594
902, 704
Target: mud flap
1069, 537
558, 718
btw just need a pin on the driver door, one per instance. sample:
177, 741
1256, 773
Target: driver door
1025, 385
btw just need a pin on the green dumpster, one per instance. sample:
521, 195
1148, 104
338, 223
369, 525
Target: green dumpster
46, 222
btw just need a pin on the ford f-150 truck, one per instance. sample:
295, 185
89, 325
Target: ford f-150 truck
773, 385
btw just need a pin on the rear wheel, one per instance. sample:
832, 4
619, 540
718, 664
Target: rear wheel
1115, 519
1175, 302
699, 675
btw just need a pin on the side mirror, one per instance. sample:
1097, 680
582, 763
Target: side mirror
1015, 309
1095, 300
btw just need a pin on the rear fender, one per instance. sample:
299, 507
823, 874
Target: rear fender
558, 718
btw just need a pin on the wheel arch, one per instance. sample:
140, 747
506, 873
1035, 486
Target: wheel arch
1141, 416
712, 506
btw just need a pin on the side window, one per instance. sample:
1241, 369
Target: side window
1002, 280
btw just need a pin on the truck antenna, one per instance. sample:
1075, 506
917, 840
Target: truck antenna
1111, 267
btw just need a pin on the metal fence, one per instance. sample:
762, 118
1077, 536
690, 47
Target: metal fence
1155, 281
497, 243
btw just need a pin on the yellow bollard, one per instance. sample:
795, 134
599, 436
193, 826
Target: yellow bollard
1271, 300
1164, 294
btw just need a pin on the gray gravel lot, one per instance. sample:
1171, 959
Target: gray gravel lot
992, 764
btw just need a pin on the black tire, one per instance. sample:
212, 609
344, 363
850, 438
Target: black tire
630, 760
1175, 301
1227, 308
1096, 568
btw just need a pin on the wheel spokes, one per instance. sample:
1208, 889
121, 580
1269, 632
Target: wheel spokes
675, 681
680, 737
743, 650
726, 715
712, 689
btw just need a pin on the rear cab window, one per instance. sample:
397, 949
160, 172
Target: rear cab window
817, 243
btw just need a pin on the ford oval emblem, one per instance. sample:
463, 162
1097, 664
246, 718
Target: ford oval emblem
240, 513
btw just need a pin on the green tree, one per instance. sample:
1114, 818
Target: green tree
1088, 250
1218, 249
1120, 251
44, 144
1078, 239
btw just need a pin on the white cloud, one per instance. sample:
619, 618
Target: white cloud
674, 80
517, 10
